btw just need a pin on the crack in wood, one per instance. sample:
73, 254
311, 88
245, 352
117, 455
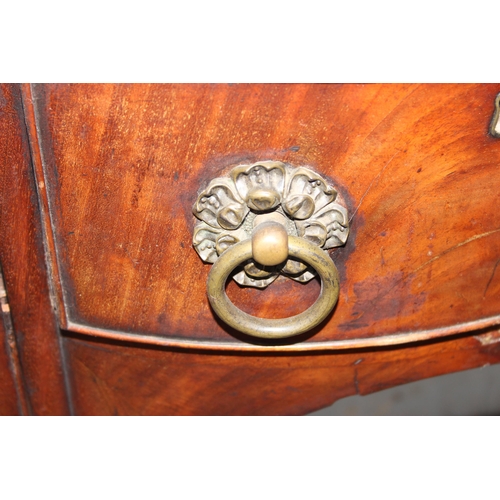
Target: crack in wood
491, 277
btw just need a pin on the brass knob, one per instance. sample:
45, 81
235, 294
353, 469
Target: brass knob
269, 244
298, 248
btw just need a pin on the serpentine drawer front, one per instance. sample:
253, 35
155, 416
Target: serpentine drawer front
320, 217
414, 166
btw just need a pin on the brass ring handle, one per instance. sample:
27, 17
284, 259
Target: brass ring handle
298, 248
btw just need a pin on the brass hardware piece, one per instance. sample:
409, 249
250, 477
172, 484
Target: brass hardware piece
269, 244
230, 207
265, 220
495, 121
298, 248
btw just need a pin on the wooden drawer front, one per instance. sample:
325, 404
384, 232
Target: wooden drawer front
119, 168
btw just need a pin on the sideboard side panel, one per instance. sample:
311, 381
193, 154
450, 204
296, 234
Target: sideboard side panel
23, 263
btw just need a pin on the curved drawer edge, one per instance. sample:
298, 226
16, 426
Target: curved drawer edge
388, 340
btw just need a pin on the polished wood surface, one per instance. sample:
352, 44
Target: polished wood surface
111, 378
23, 264
122, 165
9, 399
107, 297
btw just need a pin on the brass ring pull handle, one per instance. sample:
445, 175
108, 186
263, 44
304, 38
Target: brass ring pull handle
274, 328
254, 219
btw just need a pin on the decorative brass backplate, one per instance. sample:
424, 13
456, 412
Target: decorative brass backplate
230, 207
495, 121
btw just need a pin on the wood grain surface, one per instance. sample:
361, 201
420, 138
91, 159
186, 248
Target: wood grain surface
113, 378
23, 264
123, 164
96, 189
10, 376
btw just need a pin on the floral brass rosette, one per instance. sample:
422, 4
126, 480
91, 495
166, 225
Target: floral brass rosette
229, 205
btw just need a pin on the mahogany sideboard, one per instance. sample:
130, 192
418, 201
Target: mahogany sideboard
104, 298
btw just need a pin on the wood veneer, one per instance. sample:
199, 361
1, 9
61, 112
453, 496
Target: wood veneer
23, 264
122, 165
96, 188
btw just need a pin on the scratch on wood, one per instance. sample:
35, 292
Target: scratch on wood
385, 291
458, 245
356, 382
393, 111
371, 184
489, 338
491, 277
